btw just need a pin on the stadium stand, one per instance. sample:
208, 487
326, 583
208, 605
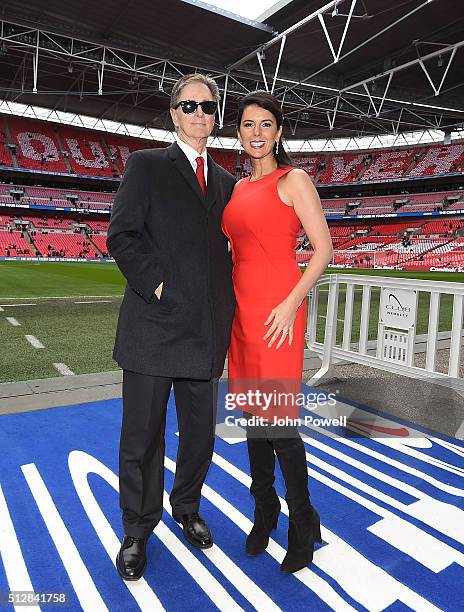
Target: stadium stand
343, 168
4, 221
63, 198
13, 243
6, 158
440, 228
389, 164
439, 159
368, 244
392, 229
49, 222
98, 226
121, 147
459, 205
41, 145
63, 245
87, 152
37, 145
99, 240
417, 241
313, 164
429, 160
226, 159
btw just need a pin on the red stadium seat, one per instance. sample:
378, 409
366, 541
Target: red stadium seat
37, 145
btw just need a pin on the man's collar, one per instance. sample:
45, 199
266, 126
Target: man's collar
189, 151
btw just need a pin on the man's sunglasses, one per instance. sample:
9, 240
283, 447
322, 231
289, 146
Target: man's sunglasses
209, 107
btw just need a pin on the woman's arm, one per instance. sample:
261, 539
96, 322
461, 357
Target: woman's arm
303, 196
296, 189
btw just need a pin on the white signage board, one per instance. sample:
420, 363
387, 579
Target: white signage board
398, 307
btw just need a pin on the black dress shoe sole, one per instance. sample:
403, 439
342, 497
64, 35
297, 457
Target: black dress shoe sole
128, 577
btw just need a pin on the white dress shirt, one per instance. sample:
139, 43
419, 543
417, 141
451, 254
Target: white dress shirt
192, 155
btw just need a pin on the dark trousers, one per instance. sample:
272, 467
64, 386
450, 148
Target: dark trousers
141, 450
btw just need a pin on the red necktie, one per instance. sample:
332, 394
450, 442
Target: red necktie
201, 173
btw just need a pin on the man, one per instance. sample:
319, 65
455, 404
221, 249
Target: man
175, 318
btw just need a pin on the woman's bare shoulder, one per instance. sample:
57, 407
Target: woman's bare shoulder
298, 174
298, 178
240, 182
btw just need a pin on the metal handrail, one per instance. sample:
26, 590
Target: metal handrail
330, 353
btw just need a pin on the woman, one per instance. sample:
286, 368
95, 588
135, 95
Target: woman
262, 219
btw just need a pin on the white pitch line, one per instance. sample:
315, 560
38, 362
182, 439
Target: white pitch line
245, 586
215, 591
383, 590
33, 340
404, 467
63, 369
13, 305
81, 465
61, 297
1, 309
84, 586
307, 576
11, 554
13, 321
95, 302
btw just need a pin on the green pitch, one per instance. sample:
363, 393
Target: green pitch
32, 279
72, 309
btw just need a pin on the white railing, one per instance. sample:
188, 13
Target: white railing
393, 347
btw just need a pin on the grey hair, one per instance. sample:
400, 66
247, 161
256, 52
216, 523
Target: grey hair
194, 78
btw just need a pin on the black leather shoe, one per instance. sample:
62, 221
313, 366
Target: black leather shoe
132, 560
196, 531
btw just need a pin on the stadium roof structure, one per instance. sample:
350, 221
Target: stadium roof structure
343, 69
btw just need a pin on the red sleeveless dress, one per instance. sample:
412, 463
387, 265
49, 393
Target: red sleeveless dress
262, 231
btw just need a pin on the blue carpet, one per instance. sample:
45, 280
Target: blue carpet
392, 516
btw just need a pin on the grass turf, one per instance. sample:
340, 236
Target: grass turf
78, 335
43, 279
81, 335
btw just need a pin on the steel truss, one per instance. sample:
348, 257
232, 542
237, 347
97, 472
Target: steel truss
355, 101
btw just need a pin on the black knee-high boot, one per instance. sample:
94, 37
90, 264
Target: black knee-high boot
304, 524
267, 508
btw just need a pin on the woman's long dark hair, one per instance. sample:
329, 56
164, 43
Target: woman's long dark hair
265, 100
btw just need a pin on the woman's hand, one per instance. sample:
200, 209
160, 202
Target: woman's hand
282, 317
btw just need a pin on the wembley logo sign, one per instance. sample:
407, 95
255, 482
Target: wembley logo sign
398, 307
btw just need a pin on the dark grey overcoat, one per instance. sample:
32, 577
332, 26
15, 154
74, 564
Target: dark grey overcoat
163, 229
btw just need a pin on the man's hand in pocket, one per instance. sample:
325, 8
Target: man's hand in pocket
158, 290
